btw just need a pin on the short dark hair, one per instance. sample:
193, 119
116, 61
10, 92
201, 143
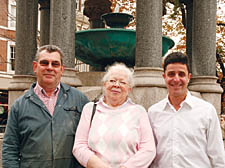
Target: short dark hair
50, 49
176, 57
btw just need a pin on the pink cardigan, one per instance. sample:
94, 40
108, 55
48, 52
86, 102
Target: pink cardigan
121, 136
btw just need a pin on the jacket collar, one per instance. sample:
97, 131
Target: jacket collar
63, 87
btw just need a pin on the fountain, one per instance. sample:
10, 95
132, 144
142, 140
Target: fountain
104, 46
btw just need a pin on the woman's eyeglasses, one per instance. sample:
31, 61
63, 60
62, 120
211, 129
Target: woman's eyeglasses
54, 64
114, 82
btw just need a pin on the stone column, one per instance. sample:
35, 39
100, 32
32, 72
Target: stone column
62, 34
204, 52
62, 28
44, 21
26, 35
189, 19
150, 86
149, 33
26, 45
204, 38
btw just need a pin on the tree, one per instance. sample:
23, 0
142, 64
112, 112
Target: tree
173, 21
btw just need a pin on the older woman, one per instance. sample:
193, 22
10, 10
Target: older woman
120, 135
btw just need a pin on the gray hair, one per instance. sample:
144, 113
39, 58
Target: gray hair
119, 67
50, 49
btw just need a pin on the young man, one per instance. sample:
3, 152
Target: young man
186, 128
42, 123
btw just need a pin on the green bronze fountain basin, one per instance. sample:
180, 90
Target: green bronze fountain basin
102, 47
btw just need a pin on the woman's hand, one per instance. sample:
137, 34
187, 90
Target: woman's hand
96, 162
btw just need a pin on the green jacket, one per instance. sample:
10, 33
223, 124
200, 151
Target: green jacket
35, 139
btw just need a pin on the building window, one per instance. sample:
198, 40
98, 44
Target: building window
12, 57
79, 5
80, 66
12, 16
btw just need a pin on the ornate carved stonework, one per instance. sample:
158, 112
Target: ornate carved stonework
95, 8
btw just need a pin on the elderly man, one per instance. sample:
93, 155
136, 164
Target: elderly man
42, 123
186, 128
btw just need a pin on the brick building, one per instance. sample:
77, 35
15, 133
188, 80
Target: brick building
7, 35
7, 52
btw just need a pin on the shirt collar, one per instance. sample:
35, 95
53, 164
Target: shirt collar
187, 101
128, 101
41, 91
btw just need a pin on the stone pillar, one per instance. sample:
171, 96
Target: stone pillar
26, 35
204, 38
26, 46
149, 84
62, 28
149, 33
44, 21
204, 52
189, 19
62, 34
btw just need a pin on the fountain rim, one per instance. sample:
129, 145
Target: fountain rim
117, 13
115, 29
105, 30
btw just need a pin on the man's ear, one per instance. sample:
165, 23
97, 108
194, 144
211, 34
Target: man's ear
34, 66
63, 68
189, 77
164, 76
129, 89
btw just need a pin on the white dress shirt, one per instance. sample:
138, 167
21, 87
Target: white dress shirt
188, 138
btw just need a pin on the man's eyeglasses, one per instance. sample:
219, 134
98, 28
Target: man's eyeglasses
114, 82
55, 64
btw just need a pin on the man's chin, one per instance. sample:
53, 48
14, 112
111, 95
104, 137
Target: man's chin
49, 82
177, 93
